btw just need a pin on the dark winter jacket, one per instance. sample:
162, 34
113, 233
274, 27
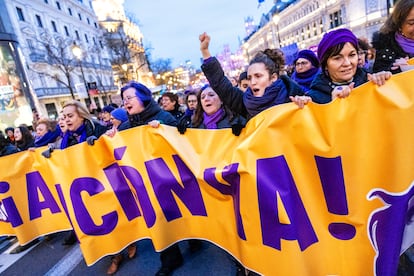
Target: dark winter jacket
387, 51
226, 121
233, 97
177, 114
8, 149
151, 112
322, 86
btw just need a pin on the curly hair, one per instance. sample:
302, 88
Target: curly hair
273, 59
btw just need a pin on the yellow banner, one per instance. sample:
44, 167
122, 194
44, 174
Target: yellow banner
324, 190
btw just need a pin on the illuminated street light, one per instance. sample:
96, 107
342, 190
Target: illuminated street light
77, 52
276, 19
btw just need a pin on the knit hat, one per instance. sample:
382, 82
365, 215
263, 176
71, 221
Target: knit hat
108, 108
120, 114
334, 38
308, 55
141, 91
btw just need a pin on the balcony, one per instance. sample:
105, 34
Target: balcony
51, 92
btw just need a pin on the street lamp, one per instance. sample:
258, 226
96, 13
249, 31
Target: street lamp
276, 19
77, 52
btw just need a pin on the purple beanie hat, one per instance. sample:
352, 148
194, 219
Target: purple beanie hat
309, 55
334, 38
141, 91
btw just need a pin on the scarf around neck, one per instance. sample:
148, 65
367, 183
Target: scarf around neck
69, 139
210, 121
305, 79
406, 44
49, 137
274, 94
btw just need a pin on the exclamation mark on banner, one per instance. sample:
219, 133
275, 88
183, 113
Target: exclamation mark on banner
333, 185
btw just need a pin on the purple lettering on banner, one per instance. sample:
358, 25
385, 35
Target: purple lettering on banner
274, 176
333, 185
164, 183
63, 201
391, 228
36, 184
231, 175
92, 186
141, 192
13, 214
122, 191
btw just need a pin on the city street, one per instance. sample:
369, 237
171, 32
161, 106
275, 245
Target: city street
49, 257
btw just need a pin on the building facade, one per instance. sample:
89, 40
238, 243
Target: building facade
17, 99
125, 42
65, 53
302, 23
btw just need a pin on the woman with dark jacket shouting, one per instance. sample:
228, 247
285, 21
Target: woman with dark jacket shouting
211, 113
267, 86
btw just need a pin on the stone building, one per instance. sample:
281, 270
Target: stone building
124, 40
65, 52
301, 24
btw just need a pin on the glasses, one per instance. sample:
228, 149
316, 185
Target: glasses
127, 99
302, 63
191, 101
361, 53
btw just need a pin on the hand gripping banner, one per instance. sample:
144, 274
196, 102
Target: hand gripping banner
323, 190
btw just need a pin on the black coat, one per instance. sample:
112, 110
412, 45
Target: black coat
322, 86
8, 149
227, 121
151, 112
232, 96
387, 51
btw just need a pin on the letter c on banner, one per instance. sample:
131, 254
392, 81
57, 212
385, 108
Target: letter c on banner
92, 186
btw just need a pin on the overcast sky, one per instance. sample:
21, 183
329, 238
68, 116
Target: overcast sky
172, 27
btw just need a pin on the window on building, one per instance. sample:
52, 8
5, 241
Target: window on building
94, 40
77, 35
54, 26
70, 11
66, 30
80, 16
30, 44
58, 5
87, 20
46, 1
39, 21
86, 38
20, 13
335, 19
101, 44
51, 111
96, 25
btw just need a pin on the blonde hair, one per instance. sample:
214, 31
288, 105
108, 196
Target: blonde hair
81, 109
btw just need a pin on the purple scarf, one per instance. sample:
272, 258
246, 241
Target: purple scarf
49, 137
210, 121
305, 79
69, 139
406, 44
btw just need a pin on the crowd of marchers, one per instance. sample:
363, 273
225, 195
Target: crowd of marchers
341, 63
